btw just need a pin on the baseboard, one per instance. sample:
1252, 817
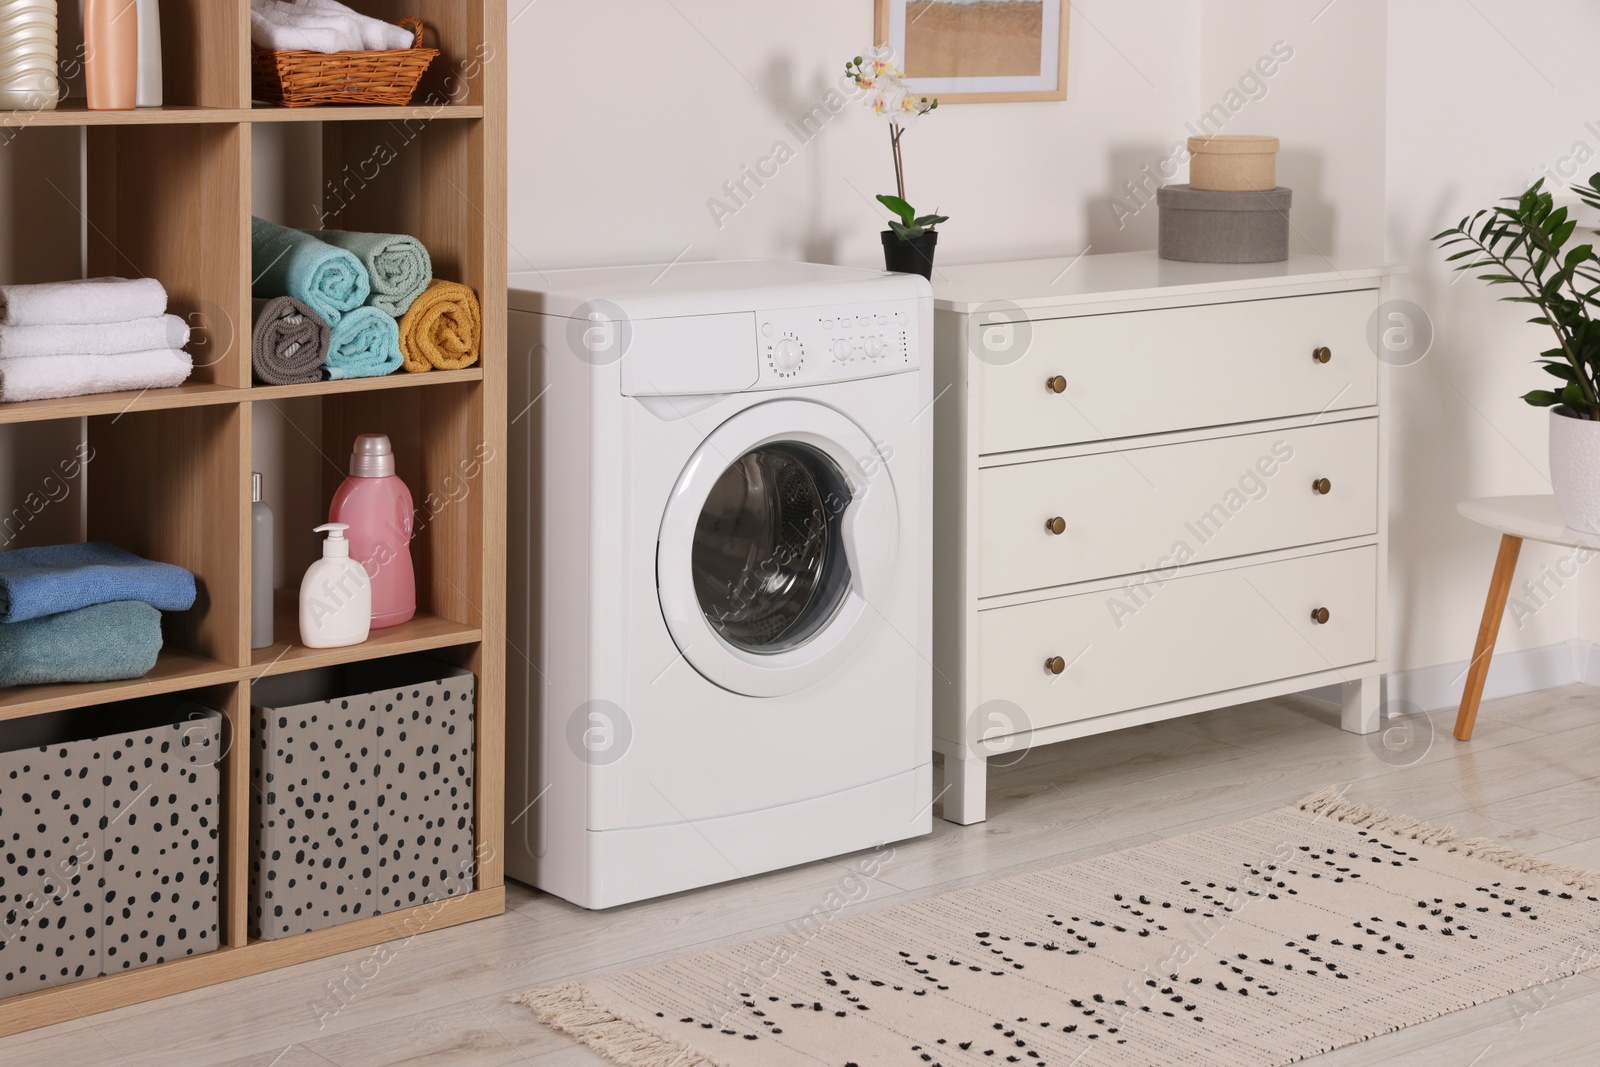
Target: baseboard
1510, 674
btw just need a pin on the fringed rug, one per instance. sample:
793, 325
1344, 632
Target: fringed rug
1262, 942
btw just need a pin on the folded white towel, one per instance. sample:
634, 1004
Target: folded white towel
274, 38
321, 26
44, 377
376, 35
294, 31
85, 302
136, 335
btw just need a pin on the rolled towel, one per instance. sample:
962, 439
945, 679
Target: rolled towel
398, 266
443, 329
84, 302
289, 344
49, 377
50, 579
103, 643
328, 280
364, 344
136, 335
376, 35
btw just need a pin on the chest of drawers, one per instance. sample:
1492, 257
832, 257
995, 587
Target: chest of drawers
1159, 490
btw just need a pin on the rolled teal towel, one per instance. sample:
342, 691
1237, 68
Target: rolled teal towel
398, 266
285, 262
35, 582
364, 344
103, 643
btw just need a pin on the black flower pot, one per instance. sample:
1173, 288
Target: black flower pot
909, 257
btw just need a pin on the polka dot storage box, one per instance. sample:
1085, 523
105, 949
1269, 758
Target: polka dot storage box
362, 798
108, 860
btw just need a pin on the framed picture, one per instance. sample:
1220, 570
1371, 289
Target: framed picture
967, 51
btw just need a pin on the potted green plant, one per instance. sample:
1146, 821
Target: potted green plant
909, 241
1524, 242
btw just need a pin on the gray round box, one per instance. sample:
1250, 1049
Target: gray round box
1202, 226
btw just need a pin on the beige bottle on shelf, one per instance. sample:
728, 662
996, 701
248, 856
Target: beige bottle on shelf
28, 55
111, 54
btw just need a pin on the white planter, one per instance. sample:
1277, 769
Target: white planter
1575, 468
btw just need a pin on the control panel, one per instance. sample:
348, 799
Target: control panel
804, 346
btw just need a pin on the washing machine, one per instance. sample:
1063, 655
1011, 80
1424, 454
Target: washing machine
719, 626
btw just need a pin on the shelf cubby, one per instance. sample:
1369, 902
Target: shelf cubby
169, 195
184, 222
171, 485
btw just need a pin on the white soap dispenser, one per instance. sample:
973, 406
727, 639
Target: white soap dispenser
335, 595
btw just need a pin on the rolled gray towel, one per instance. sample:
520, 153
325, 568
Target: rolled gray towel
289, 343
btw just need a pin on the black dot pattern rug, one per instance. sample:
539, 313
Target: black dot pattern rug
1261, 942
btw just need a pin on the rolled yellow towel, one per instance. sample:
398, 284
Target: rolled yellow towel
443, 329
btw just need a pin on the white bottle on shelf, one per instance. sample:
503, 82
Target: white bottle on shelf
28, 55
335, 595
149, 91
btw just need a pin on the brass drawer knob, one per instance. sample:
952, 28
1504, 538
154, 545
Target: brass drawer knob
1057, 525
1056, 384
1055, 665
1322, 355
1319, 616
1322, 486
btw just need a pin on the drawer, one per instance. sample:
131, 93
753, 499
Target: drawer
1161, 508
1151, 371
1159, 643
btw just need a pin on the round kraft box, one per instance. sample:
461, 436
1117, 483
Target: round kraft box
1202, 226
1233, 163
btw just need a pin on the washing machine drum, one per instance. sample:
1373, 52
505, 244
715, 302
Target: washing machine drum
779, 537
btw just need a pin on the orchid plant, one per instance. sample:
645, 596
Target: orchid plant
884, 84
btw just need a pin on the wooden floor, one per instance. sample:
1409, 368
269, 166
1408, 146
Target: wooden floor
1531, 777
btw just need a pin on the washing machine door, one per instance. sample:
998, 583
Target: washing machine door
777, 547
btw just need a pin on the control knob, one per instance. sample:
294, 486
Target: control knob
787, 354
874, 347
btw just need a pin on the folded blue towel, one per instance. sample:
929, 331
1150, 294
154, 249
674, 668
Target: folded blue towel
35, 582
285, 262
102, 643
364, 344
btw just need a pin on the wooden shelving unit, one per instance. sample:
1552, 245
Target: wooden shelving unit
169, 197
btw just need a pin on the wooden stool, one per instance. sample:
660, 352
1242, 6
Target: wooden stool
1518, 518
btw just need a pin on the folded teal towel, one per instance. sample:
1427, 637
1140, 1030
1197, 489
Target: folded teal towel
364, 344
398, 266
35, 582
285, 262
103, 643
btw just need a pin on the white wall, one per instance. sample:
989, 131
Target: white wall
1326, 105
1482, 98
628, 116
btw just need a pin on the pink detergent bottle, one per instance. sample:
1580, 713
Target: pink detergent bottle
376, 505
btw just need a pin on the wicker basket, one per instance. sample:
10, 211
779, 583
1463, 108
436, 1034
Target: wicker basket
298, 79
